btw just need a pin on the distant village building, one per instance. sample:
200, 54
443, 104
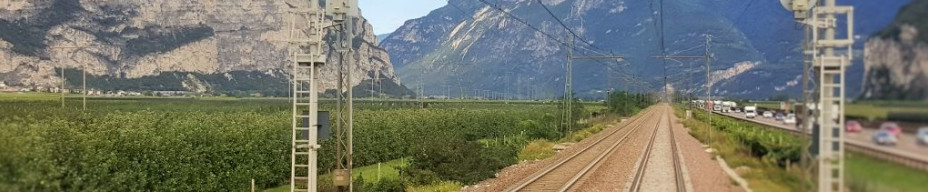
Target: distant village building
170, 93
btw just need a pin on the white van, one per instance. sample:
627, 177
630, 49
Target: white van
750, 111
726, 106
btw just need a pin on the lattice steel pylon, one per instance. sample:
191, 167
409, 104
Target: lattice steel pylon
306, 57
568, 88
343, 14
831, 68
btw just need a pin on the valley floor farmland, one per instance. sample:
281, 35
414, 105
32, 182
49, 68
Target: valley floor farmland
189, 144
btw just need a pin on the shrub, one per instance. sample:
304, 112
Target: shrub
387, 185
535, 130
458, 160
537, 149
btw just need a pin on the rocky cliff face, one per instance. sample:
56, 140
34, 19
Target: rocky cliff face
897, 57
896, 70
136, 39
470, 45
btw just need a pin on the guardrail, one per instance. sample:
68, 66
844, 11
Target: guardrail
881, 153
891, 155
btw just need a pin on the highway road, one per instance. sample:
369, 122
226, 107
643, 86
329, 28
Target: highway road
907, 151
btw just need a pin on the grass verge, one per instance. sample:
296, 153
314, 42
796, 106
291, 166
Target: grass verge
537, 149
599, 124
763, 175
540, 149
445, 186
387, 171
863, 173
869, 174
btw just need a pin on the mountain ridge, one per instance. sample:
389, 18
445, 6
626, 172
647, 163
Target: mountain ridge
754, 43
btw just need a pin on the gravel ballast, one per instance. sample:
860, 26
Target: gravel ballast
704, 172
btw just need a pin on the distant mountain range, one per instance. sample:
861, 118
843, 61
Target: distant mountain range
381, 37
467, 46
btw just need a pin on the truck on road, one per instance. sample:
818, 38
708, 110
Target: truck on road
750, 111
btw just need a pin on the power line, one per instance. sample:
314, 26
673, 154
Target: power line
548, 35
520, 20
661, 45
460, 9
559, 21
743, 10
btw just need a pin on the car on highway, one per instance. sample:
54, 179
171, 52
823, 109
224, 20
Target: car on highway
922, 136
884, 137
779, 117
892, 128
789, 119
853, 126
768, 114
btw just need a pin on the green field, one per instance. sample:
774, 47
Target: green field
221, 143
870, 174
31, 96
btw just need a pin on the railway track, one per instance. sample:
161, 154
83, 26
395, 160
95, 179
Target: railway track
639, 180
565, 173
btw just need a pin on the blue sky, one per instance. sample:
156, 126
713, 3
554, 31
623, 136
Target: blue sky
387, 15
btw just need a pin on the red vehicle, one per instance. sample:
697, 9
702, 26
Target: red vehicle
892, 128
853, 126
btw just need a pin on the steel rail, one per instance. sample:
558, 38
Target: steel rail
644, 162
570, 183
538, 175
677, 165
